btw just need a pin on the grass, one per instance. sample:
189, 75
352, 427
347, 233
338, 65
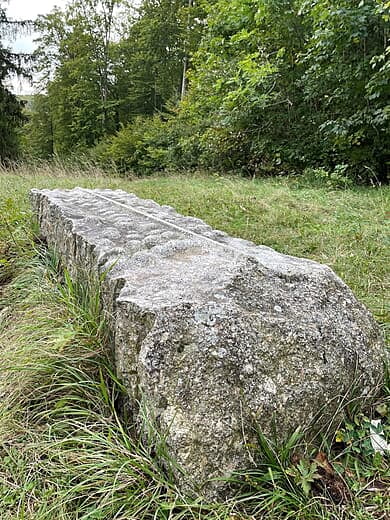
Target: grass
66, 454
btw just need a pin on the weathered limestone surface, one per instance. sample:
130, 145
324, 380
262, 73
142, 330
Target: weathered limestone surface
214, 334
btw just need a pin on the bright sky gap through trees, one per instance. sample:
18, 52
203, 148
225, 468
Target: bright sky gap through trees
22, 10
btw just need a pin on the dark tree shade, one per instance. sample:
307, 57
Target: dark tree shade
11, 116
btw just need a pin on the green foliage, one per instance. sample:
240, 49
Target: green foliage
150, 57
304, 473
36, 136
286, 85
355, 435
143, 146
338, 178
345, 66
75, 58
102, 67
268, 82
11, 115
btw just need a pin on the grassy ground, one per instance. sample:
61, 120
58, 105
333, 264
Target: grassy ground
67, 455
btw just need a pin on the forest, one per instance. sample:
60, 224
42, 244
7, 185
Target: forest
261, 88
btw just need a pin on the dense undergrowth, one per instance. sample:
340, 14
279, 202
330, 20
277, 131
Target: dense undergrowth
67, 454
258, 87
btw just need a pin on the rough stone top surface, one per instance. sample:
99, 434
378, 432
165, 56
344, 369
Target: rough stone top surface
161, 254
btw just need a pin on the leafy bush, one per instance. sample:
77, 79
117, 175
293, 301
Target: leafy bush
140, 147
284, 86
338, 178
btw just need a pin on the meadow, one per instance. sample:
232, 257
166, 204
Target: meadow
65, 451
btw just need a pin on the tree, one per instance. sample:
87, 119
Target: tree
263, 87
281, 85
11, 115
74, 59
346, 81
243, 87
99, 75
36, 137
98, 21
153, 55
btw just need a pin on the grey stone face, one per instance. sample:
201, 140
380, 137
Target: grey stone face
213, 335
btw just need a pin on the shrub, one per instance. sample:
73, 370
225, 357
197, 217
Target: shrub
141, 147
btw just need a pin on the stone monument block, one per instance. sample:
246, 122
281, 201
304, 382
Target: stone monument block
213, 335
